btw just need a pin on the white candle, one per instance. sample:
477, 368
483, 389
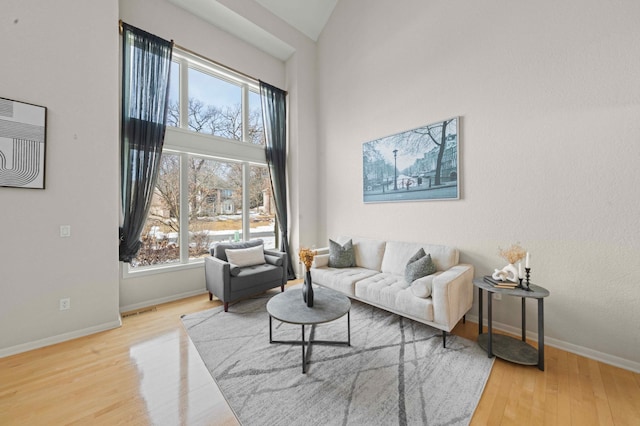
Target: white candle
520, 270
526, 263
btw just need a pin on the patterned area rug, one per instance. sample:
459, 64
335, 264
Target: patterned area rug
395, 372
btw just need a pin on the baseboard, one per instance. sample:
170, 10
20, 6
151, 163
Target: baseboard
160, 301
25, 347
565, 346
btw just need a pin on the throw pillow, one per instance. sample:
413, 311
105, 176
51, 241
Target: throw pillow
420, 267
273, 260
246, 256
234, 270
422, 286
221, 248
341, 256
419, 255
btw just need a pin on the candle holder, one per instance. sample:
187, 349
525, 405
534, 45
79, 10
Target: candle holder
520, 285
528, 275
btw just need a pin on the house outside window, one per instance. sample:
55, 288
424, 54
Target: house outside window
213, 184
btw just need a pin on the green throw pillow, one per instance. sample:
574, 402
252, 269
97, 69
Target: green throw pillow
341, 256
420, 265
419, 255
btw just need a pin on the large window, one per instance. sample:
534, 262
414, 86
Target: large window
213, 183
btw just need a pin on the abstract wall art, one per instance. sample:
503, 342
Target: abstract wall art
23, 129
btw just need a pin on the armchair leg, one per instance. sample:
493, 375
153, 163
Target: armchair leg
210, 296
444, 339
226, 306
282, 288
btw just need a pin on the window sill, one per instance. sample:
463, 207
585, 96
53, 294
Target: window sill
143, 271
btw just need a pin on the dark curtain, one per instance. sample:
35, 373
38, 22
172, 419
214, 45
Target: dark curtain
146, 62
274, 116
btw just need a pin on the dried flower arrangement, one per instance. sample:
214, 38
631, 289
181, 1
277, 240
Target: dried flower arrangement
513, 253
306, 256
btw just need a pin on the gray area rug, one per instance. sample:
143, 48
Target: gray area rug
395, 372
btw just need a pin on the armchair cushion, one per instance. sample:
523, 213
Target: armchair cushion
246, 256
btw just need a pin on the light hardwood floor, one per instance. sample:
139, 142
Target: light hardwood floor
148, 372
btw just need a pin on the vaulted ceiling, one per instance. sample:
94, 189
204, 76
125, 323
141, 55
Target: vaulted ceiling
307, 16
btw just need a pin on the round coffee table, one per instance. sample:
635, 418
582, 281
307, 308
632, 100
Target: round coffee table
328, 305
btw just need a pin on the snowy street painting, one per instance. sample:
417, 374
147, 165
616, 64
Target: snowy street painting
415, 165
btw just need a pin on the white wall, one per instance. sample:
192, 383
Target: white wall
549, 96
61, 55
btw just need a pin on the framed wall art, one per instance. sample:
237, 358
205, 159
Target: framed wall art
415, 165
23, 129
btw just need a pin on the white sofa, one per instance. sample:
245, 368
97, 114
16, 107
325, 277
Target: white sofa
379, 280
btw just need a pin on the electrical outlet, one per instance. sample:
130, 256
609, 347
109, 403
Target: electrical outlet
65, 304
65, 231
497, 296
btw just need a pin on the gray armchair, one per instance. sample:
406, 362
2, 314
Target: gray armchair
229, 282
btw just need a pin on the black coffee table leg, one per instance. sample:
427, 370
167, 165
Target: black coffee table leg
304, 358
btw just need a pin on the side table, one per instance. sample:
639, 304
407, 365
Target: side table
507, 347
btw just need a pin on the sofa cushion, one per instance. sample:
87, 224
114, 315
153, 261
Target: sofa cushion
420, 267
246, 256
392, 292
381, 289
341, 256
219, 250
368, 252
340, 279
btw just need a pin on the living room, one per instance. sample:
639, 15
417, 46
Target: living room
548, 100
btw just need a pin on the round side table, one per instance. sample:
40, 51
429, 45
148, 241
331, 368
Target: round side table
506, 347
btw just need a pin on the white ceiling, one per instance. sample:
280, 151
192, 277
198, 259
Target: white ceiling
307, 16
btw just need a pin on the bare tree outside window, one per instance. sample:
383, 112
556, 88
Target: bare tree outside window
215, 190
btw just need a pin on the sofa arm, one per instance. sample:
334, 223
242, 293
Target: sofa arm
320, 261
217, 277
285, 262
452, 294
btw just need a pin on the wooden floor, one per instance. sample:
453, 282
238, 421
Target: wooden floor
148, 373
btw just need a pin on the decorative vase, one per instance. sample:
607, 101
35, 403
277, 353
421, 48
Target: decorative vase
508, 273
307, 290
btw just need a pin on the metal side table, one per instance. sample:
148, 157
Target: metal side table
507, 347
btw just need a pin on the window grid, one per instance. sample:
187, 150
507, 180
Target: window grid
182, 141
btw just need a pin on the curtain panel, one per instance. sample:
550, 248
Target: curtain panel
274, 116
146, 64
